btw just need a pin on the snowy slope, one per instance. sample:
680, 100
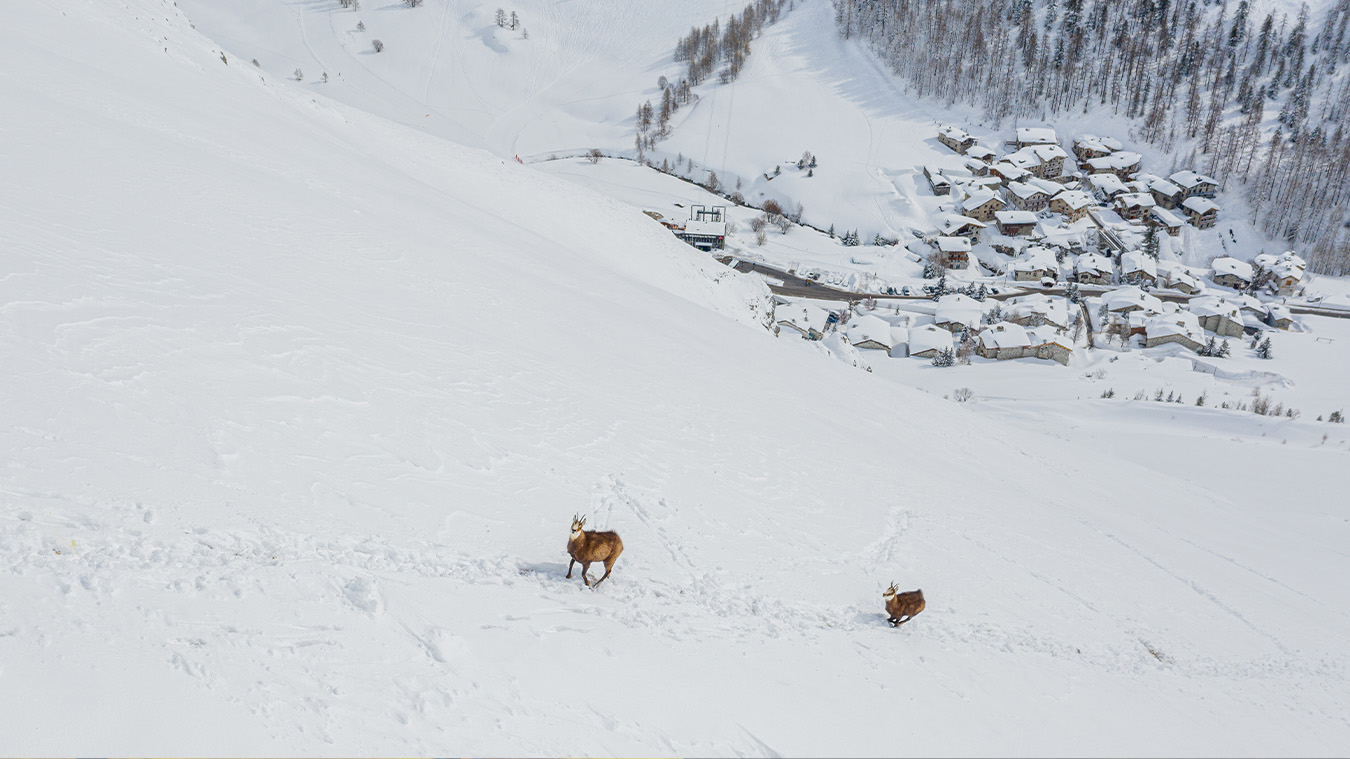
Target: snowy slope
300, 402
447, 68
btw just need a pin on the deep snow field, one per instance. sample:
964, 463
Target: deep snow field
300, 399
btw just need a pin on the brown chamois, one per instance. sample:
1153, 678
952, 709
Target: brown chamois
589, 547
899, 605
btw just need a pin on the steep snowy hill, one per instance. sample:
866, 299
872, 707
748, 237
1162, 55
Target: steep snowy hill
566, 79
300, 401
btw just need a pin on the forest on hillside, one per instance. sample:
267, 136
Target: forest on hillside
1260, 103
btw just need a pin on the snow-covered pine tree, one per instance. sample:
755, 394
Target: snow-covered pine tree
945, 357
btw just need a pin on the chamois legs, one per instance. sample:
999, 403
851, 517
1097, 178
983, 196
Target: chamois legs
571, 564
897, 621
609, 567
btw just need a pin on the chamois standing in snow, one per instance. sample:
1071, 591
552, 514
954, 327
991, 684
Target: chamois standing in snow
588, 547
899, 605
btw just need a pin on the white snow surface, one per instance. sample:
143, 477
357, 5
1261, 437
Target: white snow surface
300, 402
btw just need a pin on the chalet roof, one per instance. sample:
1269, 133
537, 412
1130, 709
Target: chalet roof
980, 198
1048, 152
1025, 159
1248, 303
1035, 258
1287, 265
1107, 183
1278, 311
1137, 200
1166, 217
1291, 257
1116, 161
1213, 305
1054, 310
1227, 265
1182, 278
868, 327
1049, 186
1036, 136
1004, 335
955, 133
1164, 187
1075, 199
934, 174
1049, 334
1182, 323
1286, 270
1015, 217
1012, 172
928, 337
953, 244
1093, 263
1199, 205
952, 222
1131, 297
980, 152
1188, 179
1024, 190
1138, 260
958, 309
1099, 144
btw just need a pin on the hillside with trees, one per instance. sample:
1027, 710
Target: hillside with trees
1258, 102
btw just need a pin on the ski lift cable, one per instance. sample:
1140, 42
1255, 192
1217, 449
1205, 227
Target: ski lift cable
726, 128
712, 104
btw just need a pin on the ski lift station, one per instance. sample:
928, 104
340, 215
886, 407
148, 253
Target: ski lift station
706, 228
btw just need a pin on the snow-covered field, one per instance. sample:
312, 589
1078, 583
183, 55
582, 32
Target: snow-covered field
299, 402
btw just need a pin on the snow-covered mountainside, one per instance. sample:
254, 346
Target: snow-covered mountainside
299, 403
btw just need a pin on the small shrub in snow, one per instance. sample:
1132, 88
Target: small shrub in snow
1109, 392
379, 46
946, 357
594, 155
1263, 350
1336, 417
961, 394
299, 75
